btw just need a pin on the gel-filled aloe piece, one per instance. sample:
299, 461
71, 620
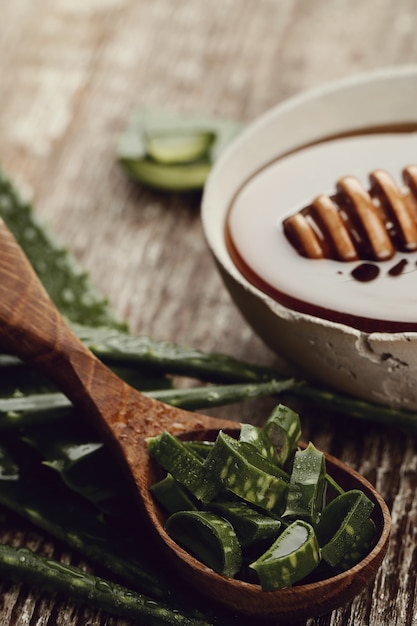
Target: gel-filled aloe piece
209, 537
294, 555
178, 145
283, 429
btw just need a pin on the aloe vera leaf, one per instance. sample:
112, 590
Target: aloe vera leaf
67, 284
26, 487
24, 565
113, 346
82, 461
218, 367
29, 409
24, 382
117, 348
335, 402
219, 395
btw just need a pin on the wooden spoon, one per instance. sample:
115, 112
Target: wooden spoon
32, 328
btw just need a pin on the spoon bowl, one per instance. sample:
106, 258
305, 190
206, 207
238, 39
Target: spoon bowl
32, 329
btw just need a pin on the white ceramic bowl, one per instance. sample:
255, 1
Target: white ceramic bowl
381, 367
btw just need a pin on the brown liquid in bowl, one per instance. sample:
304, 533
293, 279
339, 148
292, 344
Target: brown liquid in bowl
371, 295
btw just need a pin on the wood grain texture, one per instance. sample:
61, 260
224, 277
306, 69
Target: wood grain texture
70, 73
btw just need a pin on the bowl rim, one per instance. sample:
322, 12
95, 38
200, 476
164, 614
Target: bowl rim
213, 228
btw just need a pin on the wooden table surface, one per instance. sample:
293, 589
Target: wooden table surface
71, 71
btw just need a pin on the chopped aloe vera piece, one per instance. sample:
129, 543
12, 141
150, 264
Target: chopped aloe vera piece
250, 525
178, 146
209, 537
360, 547
294, 555
283, 429
255, 458
341, 523
307, 485
254, 436
202, 448
171, 495
334, 485
234, 466
184, 465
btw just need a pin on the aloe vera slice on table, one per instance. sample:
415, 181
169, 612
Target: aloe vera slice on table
178, 145
194, 141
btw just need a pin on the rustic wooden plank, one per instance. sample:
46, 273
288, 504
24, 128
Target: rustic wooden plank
70, 73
